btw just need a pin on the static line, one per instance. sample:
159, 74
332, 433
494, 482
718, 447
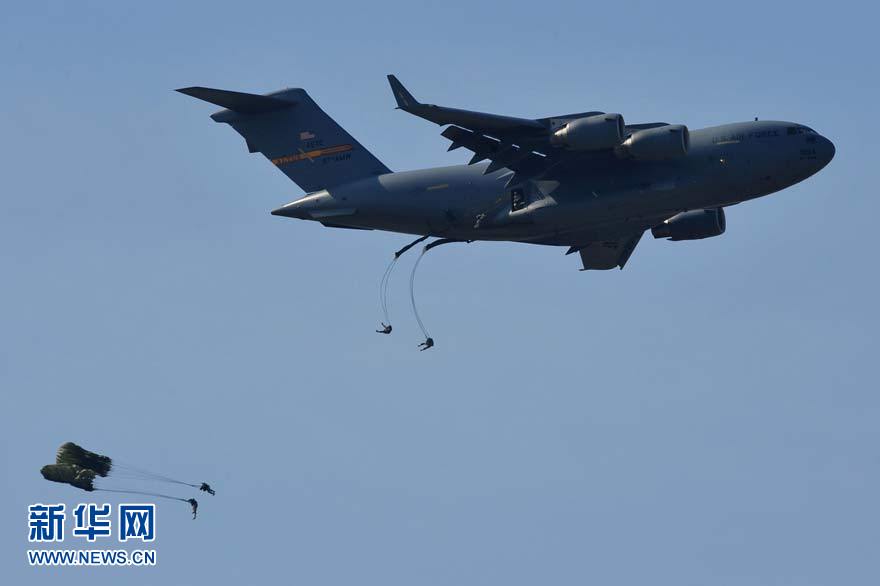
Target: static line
412, 295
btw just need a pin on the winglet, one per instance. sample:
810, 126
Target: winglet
405, 100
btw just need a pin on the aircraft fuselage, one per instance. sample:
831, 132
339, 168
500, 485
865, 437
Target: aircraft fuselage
599, 195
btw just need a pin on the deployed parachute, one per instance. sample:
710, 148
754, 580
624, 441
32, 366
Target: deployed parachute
76, 456
70, 474
70, 453
78, 467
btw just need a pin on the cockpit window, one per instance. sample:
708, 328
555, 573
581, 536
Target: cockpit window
799, 130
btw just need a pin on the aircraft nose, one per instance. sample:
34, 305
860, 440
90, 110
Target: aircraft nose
827, 151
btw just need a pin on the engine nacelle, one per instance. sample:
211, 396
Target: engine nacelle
657, 144
692, 225
593, 133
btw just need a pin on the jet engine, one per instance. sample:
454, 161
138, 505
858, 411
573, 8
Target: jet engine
692, 225
657, 144
593, 133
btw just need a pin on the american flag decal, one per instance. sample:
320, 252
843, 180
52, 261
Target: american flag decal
306, 135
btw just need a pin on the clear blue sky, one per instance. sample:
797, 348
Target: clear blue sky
707, 416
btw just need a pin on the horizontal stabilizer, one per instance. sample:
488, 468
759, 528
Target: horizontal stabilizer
295, 134
238, 101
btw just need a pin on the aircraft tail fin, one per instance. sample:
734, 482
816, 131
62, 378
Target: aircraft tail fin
292, 131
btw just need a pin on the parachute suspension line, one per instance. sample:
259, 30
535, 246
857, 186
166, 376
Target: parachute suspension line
386, 279
156, 494
429, 341
127, 470
145, 477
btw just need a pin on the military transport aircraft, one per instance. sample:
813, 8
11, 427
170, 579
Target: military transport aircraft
587, 181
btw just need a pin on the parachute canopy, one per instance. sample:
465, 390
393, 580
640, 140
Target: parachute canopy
72, 454
70, 474
78, 467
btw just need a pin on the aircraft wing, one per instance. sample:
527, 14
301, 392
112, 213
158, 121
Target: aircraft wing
519, 158
519, 144
492, 124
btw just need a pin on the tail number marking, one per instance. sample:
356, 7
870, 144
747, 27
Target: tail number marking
316, 154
